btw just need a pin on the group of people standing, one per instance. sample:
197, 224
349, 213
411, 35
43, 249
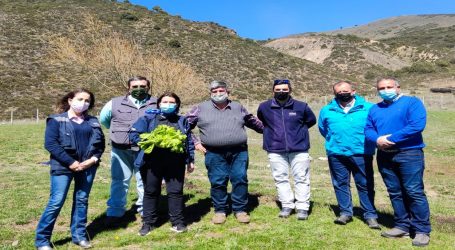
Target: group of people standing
352, 127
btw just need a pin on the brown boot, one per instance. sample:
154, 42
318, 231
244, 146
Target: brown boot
242, 217
219, 218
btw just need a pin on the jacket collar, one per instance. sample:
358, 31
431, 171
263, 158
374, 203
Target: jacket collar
228, 106
288, 104
359, 103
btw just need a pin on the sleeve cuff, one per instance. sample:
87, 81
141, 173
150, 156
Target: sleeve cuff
94, 158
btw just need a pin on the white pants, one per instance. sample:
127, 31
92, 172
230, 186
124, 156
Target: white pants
299, 163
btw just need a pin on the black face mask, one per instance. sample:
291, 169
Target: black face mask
281, 96
344, 97
140, 93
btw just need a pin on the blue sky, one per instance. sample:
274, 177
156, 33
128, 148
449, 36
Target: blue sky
262, 19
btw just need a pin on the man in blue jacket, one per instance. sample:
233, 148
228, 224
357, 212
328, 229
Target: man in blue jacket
396, 126
286, 139
342, 124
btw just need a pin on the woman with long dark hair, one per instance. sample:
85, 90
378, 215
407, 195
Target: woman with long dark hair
75, 142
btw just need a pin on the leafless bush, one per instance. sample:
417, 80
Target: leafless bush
110, 59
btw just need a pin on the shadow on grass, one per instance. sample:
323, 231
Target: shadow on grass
385, 219
98, 225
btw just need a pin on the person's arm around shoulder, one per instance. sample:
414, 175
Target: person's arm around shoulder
251, 121
106, 114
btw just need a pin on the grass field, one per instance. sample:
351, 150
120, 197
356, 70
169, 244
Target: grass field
24, 185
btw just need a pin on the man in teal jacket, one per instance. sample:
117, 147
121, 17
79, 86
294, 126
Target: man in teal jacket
342, 124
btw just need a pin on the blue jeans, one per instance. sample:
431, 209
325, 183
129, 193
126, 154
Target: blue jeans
60, 185
224, 166
361, 167
402, 173
122, 170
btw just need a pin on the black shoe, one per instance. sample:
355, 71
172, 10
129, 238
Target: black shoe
145, 229
180, 228
373, 223
343, 220
84, 244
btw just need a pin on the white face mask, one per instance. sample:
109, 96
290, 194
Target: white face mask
79, 106
219, 98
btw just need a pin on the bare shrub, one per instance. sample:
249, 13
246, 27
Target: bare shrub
111, 59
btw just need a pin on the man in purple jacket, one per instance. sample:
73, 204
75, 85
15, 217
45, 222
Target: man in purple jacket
286, 139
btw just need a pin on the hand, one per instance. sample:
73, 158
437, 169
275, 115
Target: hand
87, 164
75, 166
383, 142
190, 167
200, 148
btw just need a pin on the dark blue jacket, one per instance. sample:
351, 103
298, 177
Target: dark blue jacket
286, 127
61, 143
148, 123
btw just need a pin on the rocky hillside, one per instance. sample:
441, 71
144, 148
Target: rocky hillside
34, 73
415, 48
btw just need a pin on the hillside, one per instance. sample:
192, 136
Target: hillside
34, 73
415, 48
395, 26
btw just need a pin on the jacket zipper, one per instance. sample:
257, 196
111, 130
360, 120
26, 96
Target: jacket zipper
284, 128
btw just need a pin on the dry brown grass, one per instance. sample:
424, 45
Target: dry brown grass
110, 59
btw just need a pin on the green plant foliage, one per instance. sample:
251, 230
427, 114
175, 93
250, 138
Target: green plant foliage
163, 136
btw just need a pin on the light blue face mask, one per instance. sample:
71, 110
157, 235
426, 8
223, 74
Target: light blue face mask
388, 94
168, 108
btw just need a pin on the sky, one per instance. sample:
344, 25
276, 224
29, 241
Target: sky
263, 19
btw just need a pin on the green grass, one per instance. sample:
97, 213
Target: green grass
24, 185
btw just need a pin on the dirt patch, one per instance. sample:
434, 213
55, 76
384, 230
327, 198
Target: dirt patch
444, 223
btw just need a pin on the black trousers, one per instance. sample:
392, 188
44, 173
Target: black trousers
171, 168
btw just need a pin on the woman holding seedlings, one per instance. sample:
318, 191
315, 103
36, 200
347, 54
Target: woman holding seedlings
166, 147
75, 142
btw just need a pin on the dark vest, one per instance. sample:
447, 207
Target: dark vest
124, 115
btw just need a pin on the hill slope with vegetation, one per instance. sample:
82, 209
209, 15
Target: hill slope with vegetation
49, 47
417, 49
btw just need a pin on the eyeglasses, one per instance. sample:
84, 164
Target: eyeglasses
280, 81
139, 86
